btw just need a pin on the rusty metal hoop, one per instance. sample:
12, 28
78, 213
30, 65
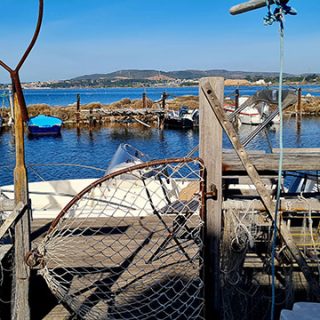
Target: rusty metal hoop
131, 245
14, 72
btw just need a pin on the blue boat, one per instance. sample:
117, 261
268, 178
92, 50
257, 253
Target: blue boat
44, 125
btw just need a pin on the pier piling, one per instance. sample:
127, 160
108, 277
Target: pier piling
78, 111
211, 153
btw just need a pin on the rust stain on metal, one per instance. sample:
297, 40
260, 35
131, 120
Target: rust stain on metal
14, 72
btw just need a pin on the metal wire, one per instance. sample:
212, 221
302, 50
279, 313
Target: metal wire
130, 245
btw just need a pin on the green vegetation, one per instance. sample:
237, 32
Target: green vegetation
102, 83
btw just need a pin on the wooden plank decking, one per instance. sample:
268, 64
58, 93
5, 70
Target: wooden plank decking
293, 161
127, 256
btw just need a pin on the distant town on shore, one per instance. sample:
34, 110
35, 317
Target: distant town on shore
156, 78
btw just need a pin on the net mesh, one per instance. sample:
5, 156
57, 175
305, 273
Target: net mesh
130, 245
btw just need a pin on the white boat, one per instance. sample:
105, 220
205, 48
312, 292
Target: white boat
255, 109
48, 198
252, 115
185, 118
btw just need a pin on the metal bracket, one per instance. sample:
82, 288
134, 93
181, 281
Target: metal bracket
213, 193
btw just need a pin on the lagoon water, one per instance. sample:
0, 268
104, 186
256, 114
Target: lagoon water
64, 97
97, 148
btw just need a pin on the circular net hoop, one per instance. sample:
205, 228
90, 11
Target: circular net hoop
130, 245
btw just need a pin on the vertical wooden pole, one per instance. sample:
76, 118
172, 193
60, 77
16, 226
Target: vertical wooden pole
236, 98
299, 101
78, 111
90, 120
211, 153
21, 309
298, 114
164, 98
144, 100
163, 107
11, 107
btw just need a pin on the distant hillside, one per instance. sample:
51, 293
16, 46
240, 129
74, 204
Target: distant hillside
172, 75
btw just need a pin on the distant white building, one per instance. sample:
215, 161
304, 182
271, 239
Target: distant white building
260, 82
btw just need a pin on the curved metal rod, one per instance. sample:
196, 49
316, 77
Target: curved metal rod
118, 173
14, 73
34, 38
31, 45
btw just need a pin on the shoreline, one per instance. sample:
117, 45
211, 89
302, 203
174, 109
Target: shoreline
228, 83
127, 110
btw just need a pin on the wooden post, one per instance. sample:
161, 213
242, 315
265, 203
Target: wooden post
299, 101
211, 153
248, 6
164, 98
217, 107
11, 108
298, 114
20, 302
144, 100
91, 122
236, 98
78, 111
161, 116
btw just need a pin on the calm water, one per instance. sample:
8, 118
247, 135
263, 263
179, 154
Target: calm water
97, 149
64, 97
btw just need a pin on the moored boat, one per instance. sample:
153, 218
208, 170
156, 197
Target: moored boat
252, 115
182, 119
256, 109
44, 125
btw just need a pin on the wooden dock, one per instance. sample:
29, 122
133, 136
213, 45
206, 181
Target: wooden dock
122, 256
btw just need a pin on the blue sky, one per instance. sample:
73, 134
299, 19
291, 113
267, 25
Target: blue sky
99, 36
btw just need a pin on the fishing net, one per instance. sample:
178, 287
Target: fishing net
130, 245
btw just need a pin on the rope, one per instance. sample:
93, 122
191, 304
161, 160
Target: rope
274, 242
278, 15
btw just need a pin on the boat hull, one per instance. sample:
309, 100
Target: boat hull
179, 123
41, 131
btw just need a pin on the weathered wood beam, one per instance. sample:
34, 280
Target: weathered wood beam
4, 249
20, 308
292, 161
299, 151
248, 6
217, 108
286, 205
211, 152
13, 218
7, 205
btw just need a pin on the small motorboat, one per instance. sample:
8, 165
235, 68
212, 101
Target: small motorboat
44, 125
256, 109
182, 119
252, 115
